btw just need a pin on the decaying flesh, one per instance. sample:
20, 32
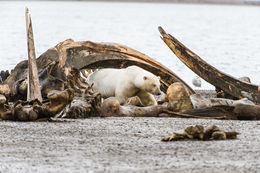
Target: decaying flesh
198, 133
76, 100
66, 94
58, 72
67, 55
57, 63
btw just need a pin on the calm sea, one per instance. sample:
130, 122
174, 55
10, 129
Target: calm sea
227, 37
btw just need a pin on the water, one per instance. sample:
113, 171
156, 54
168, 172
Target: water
227, 37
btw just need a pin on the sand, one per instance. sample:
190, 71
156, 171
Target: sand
125, 145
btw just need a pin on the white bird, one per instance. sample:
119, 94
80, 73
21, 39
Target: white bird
196, 81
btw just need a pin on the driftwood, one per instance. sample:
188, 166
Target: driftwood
217, 78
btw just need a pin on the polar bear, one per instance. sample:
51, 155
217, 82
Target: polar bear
126, 83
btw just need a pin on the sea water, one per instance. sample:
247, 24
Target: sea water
225, 36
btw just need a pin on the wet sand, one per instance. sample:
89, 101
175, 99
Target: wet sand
125, 145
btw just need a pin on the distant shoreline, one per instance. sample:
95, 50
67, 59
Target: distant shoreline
234, 2
224, 2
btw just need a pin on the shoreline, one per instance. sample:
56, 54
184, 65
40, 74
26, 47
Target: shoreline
219, 2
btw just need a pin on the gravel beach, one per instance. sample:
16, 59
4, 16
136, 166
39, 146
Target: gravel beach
125, 145
226, 36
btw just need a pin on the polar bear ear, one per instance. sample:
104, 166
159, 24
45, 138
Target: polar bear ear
145, 78
159, 77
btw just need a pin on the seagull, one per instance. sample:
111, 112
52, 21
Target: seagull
196, 81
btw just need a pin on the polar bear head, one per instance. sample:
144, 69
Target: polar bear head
151, 84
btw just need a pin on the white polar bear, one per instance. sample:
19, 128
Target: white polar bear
126, 83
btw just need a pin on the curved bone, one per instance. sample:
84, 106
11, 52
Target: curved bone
81, 55
56, 63
217, 78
